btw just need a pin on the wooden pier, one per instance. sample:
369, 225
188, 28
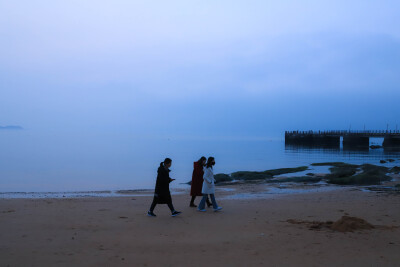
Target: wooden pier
332, 138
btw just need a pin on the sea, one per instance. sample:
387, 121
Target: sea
82, 163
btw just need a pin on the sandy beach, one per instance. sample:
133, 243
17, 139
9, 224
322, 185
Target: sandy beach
277, 230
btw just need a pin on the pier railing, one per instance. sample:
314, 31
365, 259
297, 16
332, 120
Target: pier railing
369, 133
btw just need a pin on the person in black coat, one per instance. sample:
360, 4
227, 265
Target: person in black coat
162, 195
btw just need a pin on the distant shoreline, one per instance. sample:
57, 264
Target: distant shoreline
11, 127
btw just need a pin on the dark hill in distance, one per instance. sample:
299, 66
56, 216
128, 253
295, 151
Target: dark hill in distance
11, 127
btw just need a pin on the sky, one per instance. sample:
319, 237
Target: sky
193, 69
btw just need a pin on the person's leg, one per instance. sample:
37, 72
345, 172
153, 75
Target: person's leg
214, 203
202, 202
170, 206
192, 202
208, 202
173, 211
153, 205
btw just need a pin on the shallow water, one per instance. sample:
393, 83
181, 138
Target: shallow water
273, 191
82, 194
58, 162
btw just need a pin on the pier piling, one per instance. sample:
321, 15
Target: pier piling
351, 139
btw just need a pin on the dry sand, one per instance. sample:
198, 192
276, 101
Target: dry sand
247, 232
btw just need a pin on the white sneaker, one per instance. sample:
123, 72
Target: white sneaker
203, 210
218, 208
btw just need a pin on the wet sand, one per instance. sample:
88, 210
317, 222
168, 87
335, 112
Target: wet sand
115, 231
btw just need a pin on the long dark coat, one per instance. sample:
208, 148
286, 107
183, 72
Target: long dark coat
161, 192
197, 180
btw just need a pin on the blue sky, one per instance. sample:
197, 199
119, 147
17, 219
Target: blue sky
199, 68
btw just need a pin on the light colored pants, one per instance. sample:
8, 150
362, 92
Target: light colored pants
203, 202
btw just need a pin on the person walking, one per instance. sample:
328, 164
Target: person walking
162, 195
197, 181
208, 186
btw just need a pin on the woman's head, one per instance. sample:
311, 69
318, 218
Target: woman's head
202, 161
210, 162
167, 162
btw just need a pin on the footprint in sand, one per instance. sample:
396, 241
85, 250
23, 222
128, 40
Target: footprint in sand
8, 211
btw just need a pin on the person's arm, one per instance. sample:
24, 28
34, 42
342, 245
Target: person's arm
169, 178
208, 176
166, 177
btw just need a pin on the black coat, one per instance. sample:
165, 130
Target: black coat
162, 192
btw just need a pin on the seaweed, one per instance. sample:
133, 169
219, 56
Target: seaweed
369, 178
280, 171
395, 170
335, 164
371, 167
346, 174
300, 179
248, 175
341, 172
268, 174
371, 175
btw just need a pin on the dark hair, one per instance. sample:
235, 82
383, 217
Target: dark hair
201, 159
166, 161
209, 162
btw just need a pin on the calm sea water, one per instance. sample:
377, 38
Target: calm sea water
37, 162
